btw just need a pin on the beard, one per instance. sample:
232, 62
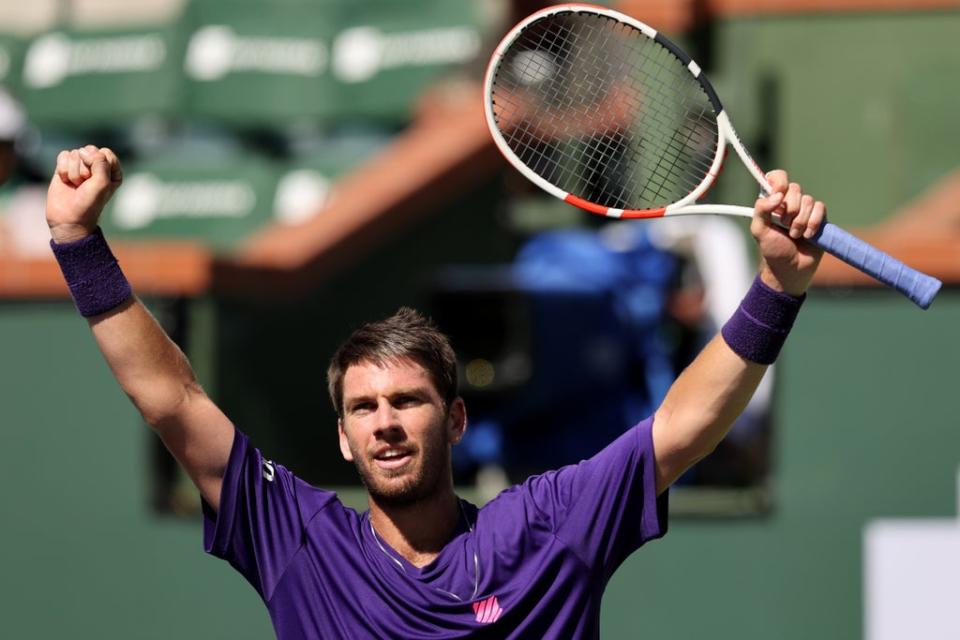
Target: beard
405, 487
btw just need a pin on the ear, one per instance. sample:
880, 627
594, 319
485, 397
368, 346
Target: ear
344, 443
457, 420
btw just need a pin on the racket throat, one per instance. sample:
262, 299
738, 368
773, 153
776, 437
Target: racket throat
728, 134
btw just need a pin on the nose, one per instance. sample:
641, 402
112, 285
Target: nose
387, 422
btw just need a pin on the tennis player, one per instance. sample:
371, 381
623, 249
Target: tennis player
421, 562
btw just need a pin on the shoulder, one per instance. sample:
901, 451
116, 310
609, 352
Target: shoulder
523, 507
543, 497
314, 500
277, 480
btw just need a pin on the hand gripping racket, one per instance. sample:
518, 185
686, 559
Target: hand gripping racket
603, 112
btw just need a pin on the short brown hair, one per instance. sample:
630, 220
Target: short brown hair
405, 334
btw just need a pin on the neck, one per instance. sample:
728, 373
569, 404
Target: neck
420, 530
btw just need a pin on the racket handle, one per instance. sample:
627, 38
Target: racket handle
917, 286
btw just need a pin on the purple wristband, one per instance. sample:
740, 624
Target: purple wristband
95, 280
758, 329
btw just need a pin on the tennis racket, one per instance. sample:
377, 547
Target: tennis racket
603, 112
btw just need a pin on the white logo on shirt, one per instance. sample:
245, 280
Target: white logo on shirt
269, 473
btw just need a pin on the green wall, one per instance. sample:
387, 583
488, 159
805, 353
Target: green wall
82, 554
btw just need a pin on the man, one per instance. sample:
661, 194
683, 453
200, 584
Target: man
421, 563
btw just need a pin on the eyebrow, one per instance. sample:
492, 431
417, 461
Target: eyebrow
406, 391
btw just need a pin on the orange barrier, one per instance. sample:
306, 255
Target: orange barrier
160, 268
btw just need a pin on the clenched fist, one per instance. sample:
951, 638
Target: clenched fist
81, 186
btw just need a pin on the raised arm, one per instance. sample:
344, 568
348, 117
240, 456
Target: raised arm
708, 396
150, 368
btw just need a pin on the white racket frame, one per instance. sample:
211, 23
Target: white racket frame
686, 205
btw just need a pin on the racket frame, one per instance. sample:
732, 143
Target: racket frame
725, 131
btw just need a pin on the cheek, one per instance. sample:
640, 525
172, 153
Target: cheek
437, 437
428, 427
348, 444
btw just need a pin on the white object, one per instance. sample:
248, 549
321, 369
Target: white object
912, 578
12, 118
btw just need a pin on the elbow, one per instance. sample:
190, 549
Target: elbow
168, 403
695, 447
687, 441
699, 451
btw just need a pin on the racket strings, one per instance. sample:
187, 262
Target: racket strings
600, 110
660, 84
554, 40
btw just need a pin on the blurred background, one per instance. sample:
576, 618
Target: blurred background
295, 168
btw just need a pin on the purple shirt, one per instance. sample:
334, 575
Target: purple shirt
539, 554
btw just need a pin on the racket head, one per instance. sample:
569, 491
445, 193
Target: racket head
602, 111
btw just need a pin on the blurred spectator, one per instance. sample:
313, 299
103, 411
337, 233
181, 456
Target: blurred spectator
638, 302
611, 291
12, 122
22, 228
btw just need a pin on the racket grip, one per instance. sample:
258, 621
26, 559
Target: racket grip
917, 286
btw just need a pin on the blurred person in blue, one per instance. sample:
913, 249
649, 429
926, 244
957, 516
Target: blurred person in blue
639, 301
583, 381
422, 562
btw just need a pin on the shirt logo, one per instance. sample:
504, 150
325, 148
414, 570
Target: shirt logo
488, 610
269, 473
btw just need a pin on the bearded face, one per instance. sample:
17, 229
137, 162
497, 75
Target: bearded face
397, 431
400, 473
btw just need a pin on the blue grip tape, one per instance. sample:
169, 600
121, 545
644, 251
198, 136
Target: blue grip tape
917, 286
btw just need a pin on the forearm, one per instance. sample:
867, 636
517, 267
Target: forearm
706, 399
150, 368
157, 377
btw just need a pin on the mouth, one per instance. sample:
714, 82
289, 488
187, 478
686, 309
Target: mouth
392, 458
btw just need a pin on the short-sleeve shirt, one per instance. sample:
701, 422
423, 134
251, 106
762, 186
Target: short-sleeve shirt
532, 563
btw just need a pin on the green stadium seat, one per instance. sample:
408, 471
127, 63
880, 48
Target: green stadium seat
306, 182
205, 186
386, 53
334, 61
11, 53
215, 198
255, 63
102, 78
